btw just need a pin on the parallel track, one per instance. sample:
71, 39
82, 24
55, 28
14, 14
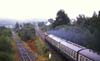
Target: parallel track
25, 55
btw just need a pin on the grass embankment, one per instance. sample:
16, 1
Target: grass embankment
29, 45
39, 49
16, 56
42, 50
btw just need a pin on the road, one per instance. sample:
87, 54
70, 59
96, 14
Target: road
25, 55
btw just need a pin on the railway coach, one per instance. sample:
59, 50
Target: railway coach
74, 51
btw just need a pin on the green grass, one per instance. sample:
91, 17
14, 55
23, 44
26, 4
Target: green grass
41, 47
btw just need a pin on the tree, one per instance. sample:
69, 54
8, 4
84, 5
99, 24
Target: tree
94, 14
93, 25
81, 19
5, 44
99, 13
27, 32
17, 27
61, 19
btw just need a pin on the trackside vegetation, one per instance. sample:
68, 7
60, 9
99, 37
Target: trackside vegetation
25, 31
6, 51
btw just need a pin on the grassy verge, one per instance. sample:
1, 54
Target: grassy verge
15, 52
42, 50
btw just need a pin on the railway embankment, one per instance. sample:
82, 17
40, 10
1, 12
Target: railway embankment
39, 49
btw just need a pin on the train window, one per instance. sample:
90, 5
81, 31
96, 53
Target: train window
68, 51
71, 53
88, 59
65, 50
84, 58
74, 54
81, 58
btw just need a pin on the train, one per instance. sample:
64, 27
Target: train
74, 51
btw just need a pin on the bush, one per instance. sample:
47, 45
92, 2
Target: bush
5, 57
27, 32
5, 44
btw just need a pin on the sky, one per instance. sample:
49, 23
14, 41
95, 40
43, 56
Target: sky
45, 9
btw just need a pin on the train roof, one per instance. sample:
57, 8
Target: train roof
71, 46
90, 54
56, 38
66, 43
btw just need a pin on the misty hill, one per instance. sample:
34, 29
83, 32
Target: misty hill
7, 22
13, 22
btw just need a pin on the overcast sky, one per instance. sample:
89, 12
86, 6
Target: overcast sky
44, 9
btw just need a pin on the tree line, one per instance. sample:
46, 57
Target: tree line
6, 50
92, 24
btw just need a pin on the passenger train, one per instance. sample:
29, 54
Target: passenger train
74, 51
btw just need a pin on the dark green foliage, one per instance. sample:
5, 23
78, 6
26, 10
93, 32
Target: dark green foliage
93, 24
5, 31
61, 19
17, 27
40, 24
5, 44
81, 20
27, 32
41, 48
89, 25
5, 57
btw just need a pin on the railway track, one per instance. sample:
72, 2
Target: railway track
25, 55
